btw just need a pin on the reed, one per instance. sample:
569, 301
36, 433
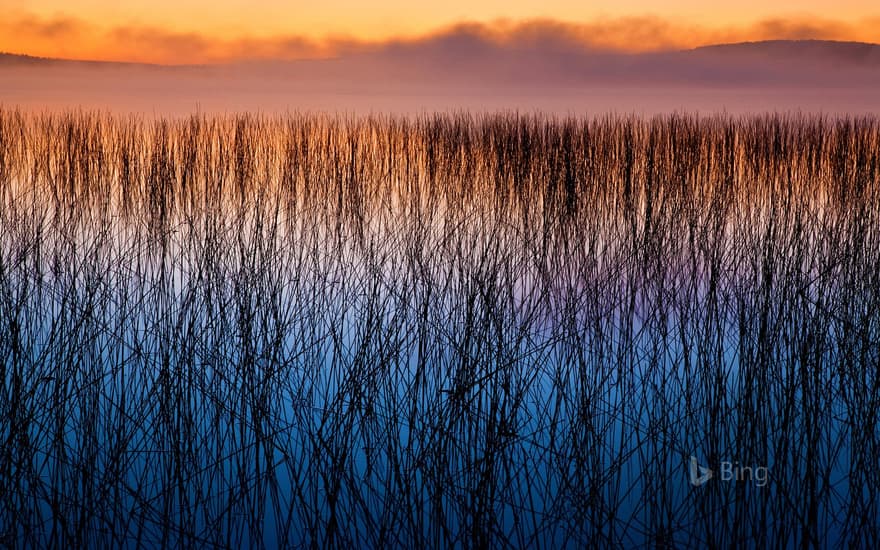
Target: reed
449, 330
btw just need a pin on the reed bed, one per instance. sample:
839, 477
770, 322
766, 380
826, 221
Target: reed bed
442, 331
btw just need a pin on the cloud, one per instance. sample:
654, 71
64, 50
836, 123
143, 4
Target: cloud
59, 28
539, 64
801, 30
74, 38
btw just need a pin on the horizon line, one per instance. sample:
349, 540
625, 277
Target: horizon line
385, 47
78, 40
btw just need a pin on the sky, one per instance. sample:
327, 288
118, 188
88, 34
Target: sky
215, 31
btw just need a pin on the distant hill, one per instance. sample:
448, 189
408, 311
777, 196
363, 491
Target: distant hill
18, 59
857, 53
814, 64
35, 61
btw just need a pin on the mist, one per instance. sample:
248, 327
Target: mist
464, 69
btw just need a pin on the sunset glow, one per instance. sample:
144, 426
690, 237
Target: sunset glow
206, 32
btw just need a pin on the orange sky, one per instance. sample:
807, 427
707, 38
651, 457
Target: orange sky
200, 31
